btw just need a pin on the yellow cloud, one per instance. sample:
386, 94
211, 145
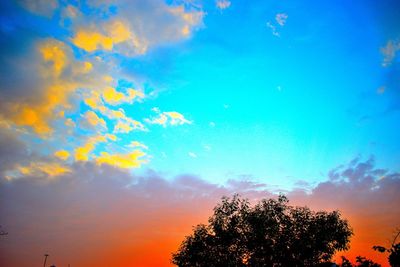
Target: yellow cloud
94, 101
54, 52
49, 168
87, 67
113, 97
82, 153
62, 154
127, 125
108, 78
118, 31
107, 36
176, 118
129, 160
91, 41
94, 120
56, 70
111, 137
123, 124
190, 19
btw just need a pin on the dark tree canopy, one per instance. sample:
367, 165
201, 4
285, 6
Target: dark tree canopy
394, 252
271, 233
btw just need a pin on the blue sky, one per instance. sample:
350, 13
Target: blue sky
272, 91
284, 108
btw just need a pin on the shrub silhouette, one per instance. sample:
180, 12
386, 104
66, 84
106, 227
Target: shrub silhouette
272, 233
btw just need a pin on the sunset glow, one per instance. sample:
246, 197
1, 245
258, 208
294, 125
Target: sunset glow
124, 122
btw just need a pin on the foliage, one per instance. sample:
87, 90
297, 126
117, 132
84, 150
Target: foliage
394, 252
272, 233
363, 262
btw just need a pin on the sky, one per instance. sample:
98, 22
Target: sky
124, 122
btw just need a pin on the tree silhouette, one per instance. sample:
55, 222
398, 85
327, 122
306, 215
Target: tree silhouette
364, 262
394, 251
272, 233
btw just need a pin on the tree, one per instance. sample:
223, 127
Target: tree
394, 251
364, 262
271, 233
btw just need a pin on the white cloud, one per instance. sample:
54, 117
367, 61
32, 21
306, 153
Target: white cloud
281, 18
280, 21
273, 28
389, 52
223, 4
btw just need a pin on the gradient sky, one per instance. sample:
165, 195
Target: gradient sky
149, 108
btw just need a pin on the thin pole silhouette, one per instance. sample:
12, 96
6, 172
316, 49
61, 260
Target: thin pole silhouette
45, 259
394, 240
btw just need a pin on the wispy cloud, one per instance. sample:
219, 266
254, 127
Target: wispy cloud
280, 21
192, 155
223, 4
281, 18
166, 118
389, 52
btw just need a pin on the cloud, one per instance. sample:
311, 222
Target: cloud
40, 7
93, 120
192, 155
389, 52
49, 75
381, 90
223, 4
168, 118
281, 18
123, 124
137, 144
140, 219
48, 93
38, 168
83, 153
391, 77
154, 23
62, 154
124, 161
12, 151
113, 97
367, 196
115, 33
